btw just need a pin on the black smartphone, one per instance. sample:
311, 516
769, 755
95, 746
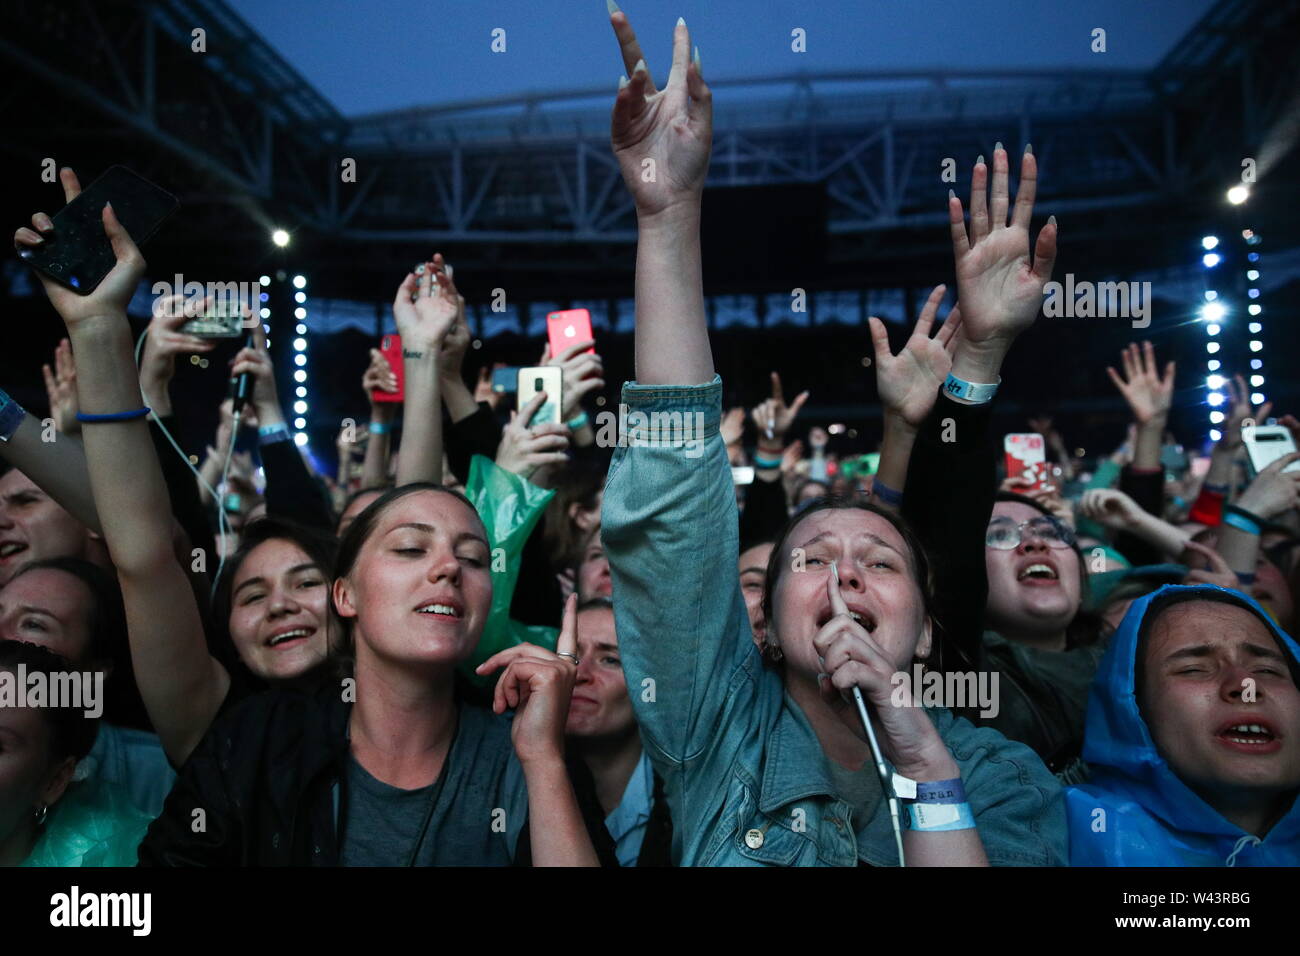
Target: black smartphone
77, 254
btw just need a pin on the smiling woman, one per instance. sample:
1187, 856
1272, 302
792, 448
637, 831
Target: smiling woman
390, 767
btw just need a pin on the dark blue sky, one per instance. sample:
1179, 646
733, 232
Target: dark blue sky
368, 55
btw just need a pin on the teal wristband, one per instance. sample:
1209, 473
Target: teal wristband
766, 463
937, 817
379, 428
1238, 519
970, 391
579, 421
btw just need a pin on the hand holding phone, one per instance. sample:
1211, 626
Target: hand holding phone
1265, 444
548, 379
390, 347
567, 328
80, 280
1026, 457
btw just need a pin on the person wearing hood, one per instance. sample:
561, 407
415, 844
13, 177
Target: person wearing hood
1193, 738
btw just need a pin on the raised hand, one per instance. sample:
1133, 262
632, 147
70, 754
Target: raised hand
524, 449
583, 373
661, 138
1148, 393
255, 361
61, 389
773, 417
909, 381
379, 375
456, 344
163, 342
1000, 288
1217, 571
1111, 508
425, 308
1273, 491
538, 686
1239, 409
114, 292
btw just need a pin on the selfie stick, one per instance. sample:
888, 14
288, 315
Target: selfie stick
886, 778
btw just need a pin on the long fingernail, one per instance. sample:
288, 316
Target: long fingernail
1051, 220
698, 67
622, 82
681, 21
1029, 149
43, 222
997, 146
612, 7
835, 570
640, 67
979, 160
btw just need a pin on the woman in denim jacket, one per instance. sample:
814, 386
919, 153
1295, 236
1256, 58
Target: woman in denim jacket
769, 764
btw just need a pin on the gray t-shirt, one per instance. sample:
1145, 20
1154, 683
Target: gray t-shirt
475, 809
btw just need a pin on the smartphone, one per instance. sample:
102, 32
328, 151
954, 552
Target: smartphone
77, 254
1265, 444
548, 379
220, 322
1026, 458
566, 329
391, 347
505, 381
742, 475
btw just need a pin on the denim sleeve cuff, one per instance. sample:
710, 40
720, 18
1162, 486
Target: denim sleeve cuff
669, 414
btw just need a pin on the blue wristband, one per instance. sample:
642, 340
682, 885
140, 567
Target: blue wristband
970, 391
887, 494
379, 428
935, 817
270, 434
578, 421
11, 416
766, 463
1238, 520
114, 416
941, 791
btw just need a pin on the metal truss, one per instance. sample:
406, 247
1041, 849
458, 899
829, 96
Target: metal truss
538, 169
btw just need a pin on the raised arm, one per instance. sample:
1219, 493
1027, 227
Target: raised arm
662, 139
425, 311
909, 385
182, 686
379, 376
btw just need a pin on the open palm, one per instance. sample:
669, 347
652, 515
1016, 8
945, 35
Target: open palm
661, 138
1000, 288
909, 382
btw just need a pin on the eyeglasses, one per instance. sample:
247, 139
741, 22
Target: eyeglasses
1003, 534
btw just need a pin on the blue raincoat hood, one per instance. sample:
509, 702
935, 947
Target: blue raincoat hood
1134, 811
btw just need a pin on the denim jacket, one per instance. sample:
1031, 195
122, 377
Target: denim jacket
744, 773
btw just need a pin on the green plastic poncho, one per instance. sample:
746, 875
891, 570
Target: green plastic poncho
95, 824
510, 507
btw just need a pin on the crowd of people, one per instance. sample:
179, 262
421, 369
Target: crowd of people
505, 643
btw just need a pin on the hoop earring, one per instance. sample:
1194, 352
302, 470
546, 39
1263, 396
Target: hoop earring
41, 814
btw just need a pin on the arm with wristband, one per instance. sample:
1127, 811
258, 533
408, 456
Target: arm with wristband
379, 376
908, 384
425, 309
182, 686
1272, 493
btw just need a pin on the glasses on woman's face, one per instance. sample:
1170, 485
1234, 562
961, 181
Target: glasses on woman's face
1004, 534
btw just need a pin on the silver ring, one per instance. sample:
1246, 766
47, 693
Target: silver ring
572, 657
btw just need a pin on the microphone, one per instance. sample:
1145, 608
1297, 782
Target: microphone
241, 385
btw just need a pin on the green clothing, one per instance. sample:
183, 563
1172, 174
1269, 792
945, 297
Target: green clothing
94, 824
